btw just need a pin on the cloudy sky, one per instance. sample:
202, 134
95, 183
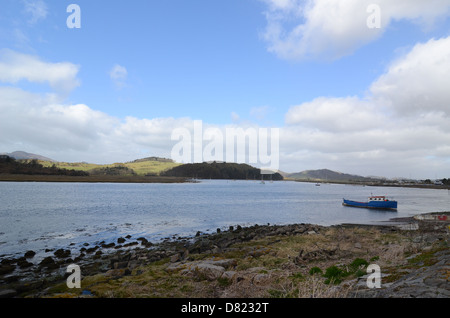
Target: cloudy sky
357, 86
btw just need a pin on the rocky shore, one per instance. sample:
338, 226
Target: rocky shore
275, 261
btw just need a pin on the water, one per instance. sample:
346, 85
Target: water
37, 216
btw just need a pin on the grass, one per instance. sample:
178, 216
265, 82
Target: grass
141, 168
267, 267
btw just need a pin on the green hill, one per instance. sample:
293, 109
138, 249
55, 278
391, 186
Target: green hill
141, 167
220, 170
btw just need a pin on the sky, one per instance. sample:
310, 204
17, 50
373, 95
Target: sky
356, 86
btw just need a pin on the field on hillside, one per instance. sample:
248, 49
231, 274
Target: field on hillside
140, 168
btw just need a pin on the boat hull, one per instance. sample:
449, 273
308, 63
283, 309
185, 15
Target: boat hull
389, 205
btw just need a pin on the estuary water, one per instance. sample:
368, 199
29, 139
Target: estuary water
38, 216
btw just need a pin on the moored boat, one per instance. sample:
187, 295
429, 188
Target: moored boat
374, 202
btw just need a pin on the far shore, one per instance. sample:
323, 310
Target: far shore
92, 179
375, 184
165, 179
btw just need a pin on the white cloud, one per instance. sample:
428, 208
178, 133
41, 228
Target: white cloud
44, 121
393, 131
418, 82
118, 75
15, 66
336, 114
403, 126
36, 9
330, 29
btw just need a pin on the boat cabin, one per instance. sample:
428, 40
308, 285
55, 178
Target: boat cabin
378, 198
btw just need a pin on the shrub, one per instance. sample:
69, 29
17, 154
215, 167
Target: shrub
333, 275
315, 270
358, 263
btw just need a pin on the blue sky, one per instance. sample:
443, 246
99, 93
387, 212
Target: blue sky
139, 66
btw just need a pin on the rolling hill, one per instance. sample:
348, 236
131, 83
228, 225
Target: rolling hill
22, 155
327, 175
146, 166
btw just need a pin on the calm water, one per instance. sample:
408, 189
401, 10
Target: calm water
36, 216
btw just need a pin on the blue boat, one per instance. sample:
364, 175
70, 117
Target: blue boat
374, 202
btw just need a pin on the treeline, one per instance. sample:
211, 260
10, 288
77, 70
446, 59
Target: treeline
444, 181
33, 167
216, 170
113, 171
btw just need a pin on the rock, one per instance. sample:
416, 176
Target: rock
208, 271
120, 240
6, 269
175, 258
118, 273
49, 263
92, 249
108, 245
120, 265
258, 252
230, 275
133, 264
130, 244
7, 293
61, 253
23, 263
260, 279
144, 241
29, 254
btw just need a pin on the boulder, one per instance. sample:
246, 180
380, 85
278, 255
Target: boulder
208, 271
7, 293
118, 273
61, 253
6, 269
49, 263
29, 254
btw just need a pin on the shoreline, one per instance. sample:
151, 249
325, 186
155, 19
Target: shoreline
375, 184
164, 179
241, 262
90, 179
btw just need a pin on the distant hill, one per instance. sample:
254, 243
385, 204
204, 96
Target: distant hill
219, 170
151, 166
18, 155
9, 165
326, 175
152, 159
